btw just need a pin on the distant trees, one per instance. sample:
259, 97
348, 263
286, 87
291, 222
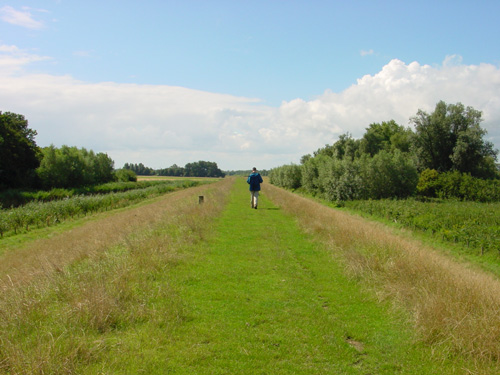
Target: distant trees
202, 169
67, 167
140, 169
19, 153
443, 157
174, 171
24, 165
196, 169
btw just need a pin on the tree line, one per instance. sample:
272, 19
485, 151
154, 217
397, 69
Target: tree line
445, 155
24, 165
195, 169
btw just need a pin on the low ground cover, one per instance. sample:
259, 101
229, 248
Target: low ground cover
40, 214
15, 197
474, 225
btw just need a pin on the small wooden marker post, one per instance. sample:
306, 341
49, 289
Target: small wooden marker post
201, 199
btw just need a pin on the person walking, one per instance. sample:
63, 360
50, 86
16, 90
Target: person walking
254, 180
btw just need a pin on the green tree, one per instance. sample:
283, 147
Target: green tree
68, 167
390, 175
19, 154
451, 138
202, 169
388, 136
346, 147
140, 169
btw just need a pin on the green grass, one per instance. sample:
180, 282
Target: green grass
264, 298
260, 297
238, 292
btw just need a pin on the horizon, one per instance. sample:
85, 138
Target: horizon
240, 84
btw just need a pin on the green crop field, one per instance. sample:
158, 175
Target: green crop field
295, 287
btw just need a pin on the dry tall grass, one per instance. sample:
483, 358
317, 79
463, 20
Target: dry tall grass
54, 319
454, 306
46, 255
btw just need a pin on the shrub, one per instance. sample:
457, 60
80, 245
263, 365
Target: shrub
125, 175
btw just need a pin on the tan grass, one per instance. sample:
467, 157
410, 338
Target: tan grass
56, 319
454, 306
52, 254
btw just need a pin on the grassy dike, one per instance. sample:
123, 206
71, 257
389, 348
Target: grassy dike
214, 289
263, 298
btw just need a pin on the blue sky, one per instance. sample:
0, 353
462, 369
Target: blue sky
237, 82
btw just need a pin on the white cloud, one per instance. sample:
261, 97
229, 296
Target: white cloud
21, 18
452, 60
162, 125
13, 59
366, 52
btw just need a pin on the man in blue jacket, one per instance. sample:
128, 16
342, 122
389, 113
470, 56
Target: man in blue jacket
254, 180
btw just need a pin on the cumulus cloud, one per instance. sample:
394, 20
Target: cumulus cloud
161, 125
22, 18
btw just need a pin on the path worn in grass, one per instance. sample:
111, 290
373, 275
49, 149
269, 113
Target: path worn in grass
255, 296
262, 298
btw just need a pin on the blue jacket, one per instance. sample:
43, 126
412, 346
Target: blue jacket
254, 180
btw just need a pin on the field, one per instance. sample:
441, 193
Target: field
294, 287
474, 225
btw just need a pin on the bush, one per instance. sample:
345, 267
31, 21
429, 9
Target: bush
286, 176
125, 175
457, 185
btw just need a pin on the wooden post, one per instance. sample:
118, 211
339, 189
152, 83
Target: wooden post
200, 199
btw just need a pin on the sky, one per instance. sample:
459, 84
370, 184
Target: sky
240, 83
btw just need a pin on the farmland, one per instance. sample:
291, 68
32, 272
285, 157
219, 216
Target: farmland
294, 287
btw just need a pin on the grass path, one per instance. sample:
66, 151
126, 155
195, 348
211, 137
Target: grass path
255, 295
262, 298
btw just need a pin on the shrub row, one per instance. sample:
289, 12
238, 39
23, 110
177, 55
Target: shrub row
473, 224
41, 214
383, 176
457, 185
16, 197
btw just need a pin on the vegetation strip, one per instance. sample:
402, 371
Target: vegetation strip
41, 214
472, 224
80, 318
454, 306
52, 250
239, 292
